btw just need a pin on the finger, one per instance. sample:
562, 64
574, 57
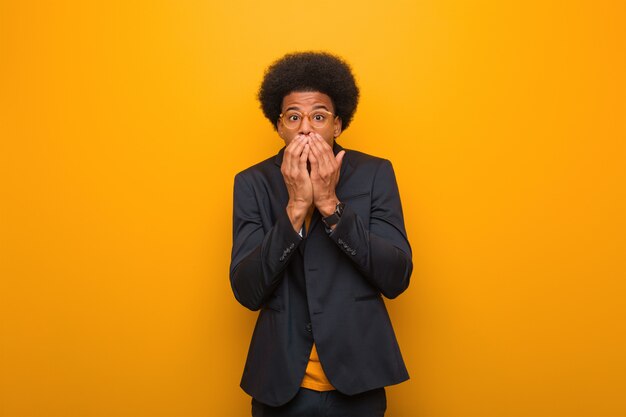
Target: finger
313, 143
295, 152
294, 142
290, 148
305, 150
314, 160
300, 140
339, 157
323, 142
326, 149
317, 161
323, 154
304, 156
287, 167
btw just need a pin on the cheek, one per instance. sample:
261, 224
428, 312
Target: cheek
288, 137
329, 135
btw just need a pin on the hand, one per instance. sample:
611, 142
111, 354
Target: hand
325, 168
297, 180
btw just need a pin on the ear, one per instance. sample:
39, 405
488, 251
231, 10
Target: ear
337, 125
279, 128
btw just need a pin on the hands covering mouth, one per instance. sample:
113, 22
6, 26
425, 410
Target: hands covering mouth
311, 173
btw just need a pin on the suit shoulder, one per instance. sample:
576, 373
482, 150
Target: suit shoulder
261, 168
358, 158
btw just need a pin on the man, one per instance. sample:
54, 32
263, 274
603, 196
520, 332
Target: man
318, 236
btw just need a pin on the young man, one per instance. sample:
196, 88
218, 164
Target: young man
318, 236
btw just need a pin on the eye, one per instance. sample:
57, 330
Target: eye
293, 117
319, 117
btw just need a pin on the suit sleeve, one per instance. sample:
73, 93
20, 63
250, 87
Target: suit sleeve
258, 258
381, 252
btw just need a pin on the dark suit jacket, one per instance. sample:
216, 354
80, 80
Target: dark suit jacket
323, 287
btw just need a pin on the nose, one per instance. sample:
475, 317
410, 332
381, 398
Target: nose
305, 126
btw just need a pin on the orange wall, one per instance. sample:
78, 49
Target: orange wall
123, 123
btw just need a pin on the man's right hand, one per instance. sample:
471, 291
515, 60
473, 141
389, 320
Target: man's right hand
297, 180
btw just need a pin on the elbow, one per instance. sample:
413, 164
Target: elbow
401, 278
394, 291
242, 294
247, 303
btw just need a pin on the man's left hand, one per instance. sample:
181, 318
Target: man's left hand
325, 168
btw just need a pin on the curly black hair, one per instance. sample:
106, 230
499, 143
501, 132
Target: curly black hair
309, 71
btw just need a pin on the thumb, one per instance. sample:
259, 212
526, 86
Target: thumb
339, 157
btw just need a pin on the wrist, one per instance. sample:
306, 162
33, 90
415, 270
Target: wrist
331, 221
296, 213
327, 207
298, 205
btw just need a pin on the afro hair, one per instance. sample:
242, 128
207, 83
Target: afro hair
309, 71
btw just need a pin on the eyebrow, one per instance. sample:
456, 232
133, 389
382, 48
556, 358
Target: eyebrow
319, 106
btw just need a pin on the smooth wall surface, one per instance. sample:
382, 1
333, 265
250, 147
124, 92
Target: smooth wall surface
122, 124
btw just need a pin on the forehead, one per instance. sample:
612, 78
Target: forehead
304, 100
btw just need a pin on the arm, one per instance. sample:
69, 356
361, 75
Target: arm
258, 259
382, 253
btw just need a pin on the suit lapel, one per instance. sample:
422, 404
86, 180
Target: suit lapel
278, 160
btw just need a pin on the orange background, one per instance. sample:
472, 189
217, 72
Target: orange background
122, 124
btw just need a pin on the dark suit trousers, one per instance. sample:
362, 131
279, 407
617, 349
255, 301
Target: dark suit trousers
310, 403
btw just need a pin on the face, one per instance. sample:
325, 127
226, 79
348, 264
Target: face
305, 103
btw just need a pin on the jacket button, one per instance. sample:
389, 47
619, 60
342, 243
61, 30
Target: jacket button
309, 327
353, 252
